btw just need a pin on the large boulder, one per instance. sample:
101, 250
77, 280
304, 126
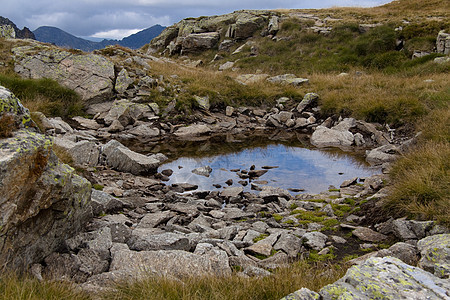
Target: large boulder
90, 75
42, 201
443, 43
435, 252
387, 278
196, 42
119, 157
329, 137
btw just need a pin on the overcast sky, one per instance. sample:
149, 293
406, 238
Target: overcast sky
120, 18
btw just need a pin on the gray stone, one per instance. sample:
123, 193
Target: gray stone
145, 131
264, 246
405, 252
270, 193
192, 131
309, 100
289, 243
155, 219
443, 43
314, 240
229, 192
90, 75
382, 154
387, 278
123, 81
326, 137
87, 123
121, 158
203, 102
368, 235
435, 254
203, 171
226, 66
145, 239
104, 203
290, 79
302, 294
85, 153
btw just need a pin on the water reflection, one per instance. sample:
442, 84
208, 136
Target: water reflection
300, 168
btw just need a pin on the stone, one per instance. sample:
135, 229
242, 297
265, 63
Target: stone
173, 263
7, 32
368, 235
203, 171
269, 193
236, 214
386, 278
254, 271
121, 158
435, 255
226, 66
123, 81
203, 102
382, 154
403, 251
314, 240
302, 294
288, 243
246, 79
145, 131
43, 202
90, 75
85, 153
87, 123
229, 192
102, 202
192, 131
326, 137
309, 100
443, 42
290, 79
229, 110
155, 219
145, 239
196, 42
264, 246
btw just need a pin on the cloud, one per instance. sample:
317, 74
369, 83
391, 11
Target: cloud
115, 33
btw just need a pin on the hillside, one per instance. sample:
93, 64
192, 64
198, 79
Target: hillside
56, 36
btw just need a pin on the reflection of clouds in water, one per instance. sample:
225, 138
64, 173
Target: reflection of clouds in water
313, 170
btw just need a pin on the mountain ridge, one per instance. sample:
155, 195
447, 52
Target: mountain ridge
59, 37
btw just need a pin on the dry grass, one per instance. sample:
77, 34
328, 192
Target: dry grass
280, 284
13, 287
7, 125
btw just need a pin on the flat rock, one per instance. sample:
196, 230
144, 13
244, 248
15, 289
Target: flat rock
315, 240
387, 278
231, 192
192, 131
326, 137
368, 235
145, 239
435, 254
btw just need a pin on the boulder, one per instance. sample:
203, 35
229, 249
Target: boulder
203, 171
435, 254
382, 154
87, 123
368, 235
90, 75
314, 240
326, 137
43, 202
287, 79
7, 32
127, 112
289, 243
145, 131
85, 153
246, 25
443, 43
148, 239
121, 158
309, 100
123, 81
387, 278
192, 131
247, 79
104, 203
196, 42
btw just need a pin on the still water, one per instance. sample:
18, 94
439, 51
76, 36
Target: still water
297, 167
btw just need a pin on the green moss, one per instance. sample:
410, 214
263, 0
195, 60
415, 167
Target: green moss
98, 187
260, 238
277, 217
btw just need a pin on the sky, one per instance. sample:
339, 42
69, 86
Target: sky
119, 18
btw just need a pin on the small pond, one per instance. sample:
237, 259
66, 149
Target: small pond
296, 164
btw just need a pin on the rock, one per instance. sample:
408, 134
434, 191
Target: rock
256, 173
7, 32
309, 100
246, 25
288, 243
435, 254
144, 131
203, 171
290, 79
230, 192
104, 203
121, 158
144, 239
254, 271
90, 75
325, 137
302, 294
247, 79
43, 202
264, 246
368, 235
192, 131
382, 154
123, 81
87, 123
127, 112
226, 66
349, 182
443, 43
155, 219
229, 110
174, 263
314, 240
203, 102
236, 214
85, 153
273, 26
387, 278
405, 252
196, 42
59, 125
269, 193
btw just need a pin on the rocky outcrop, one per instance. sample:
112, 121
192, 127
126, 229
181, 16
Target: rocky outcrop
193, 35
42, 201
25, 33
443, 43
90, 75
7, 31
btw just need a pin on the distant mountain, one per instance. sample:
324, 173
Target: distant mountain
25, 33
54, 35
